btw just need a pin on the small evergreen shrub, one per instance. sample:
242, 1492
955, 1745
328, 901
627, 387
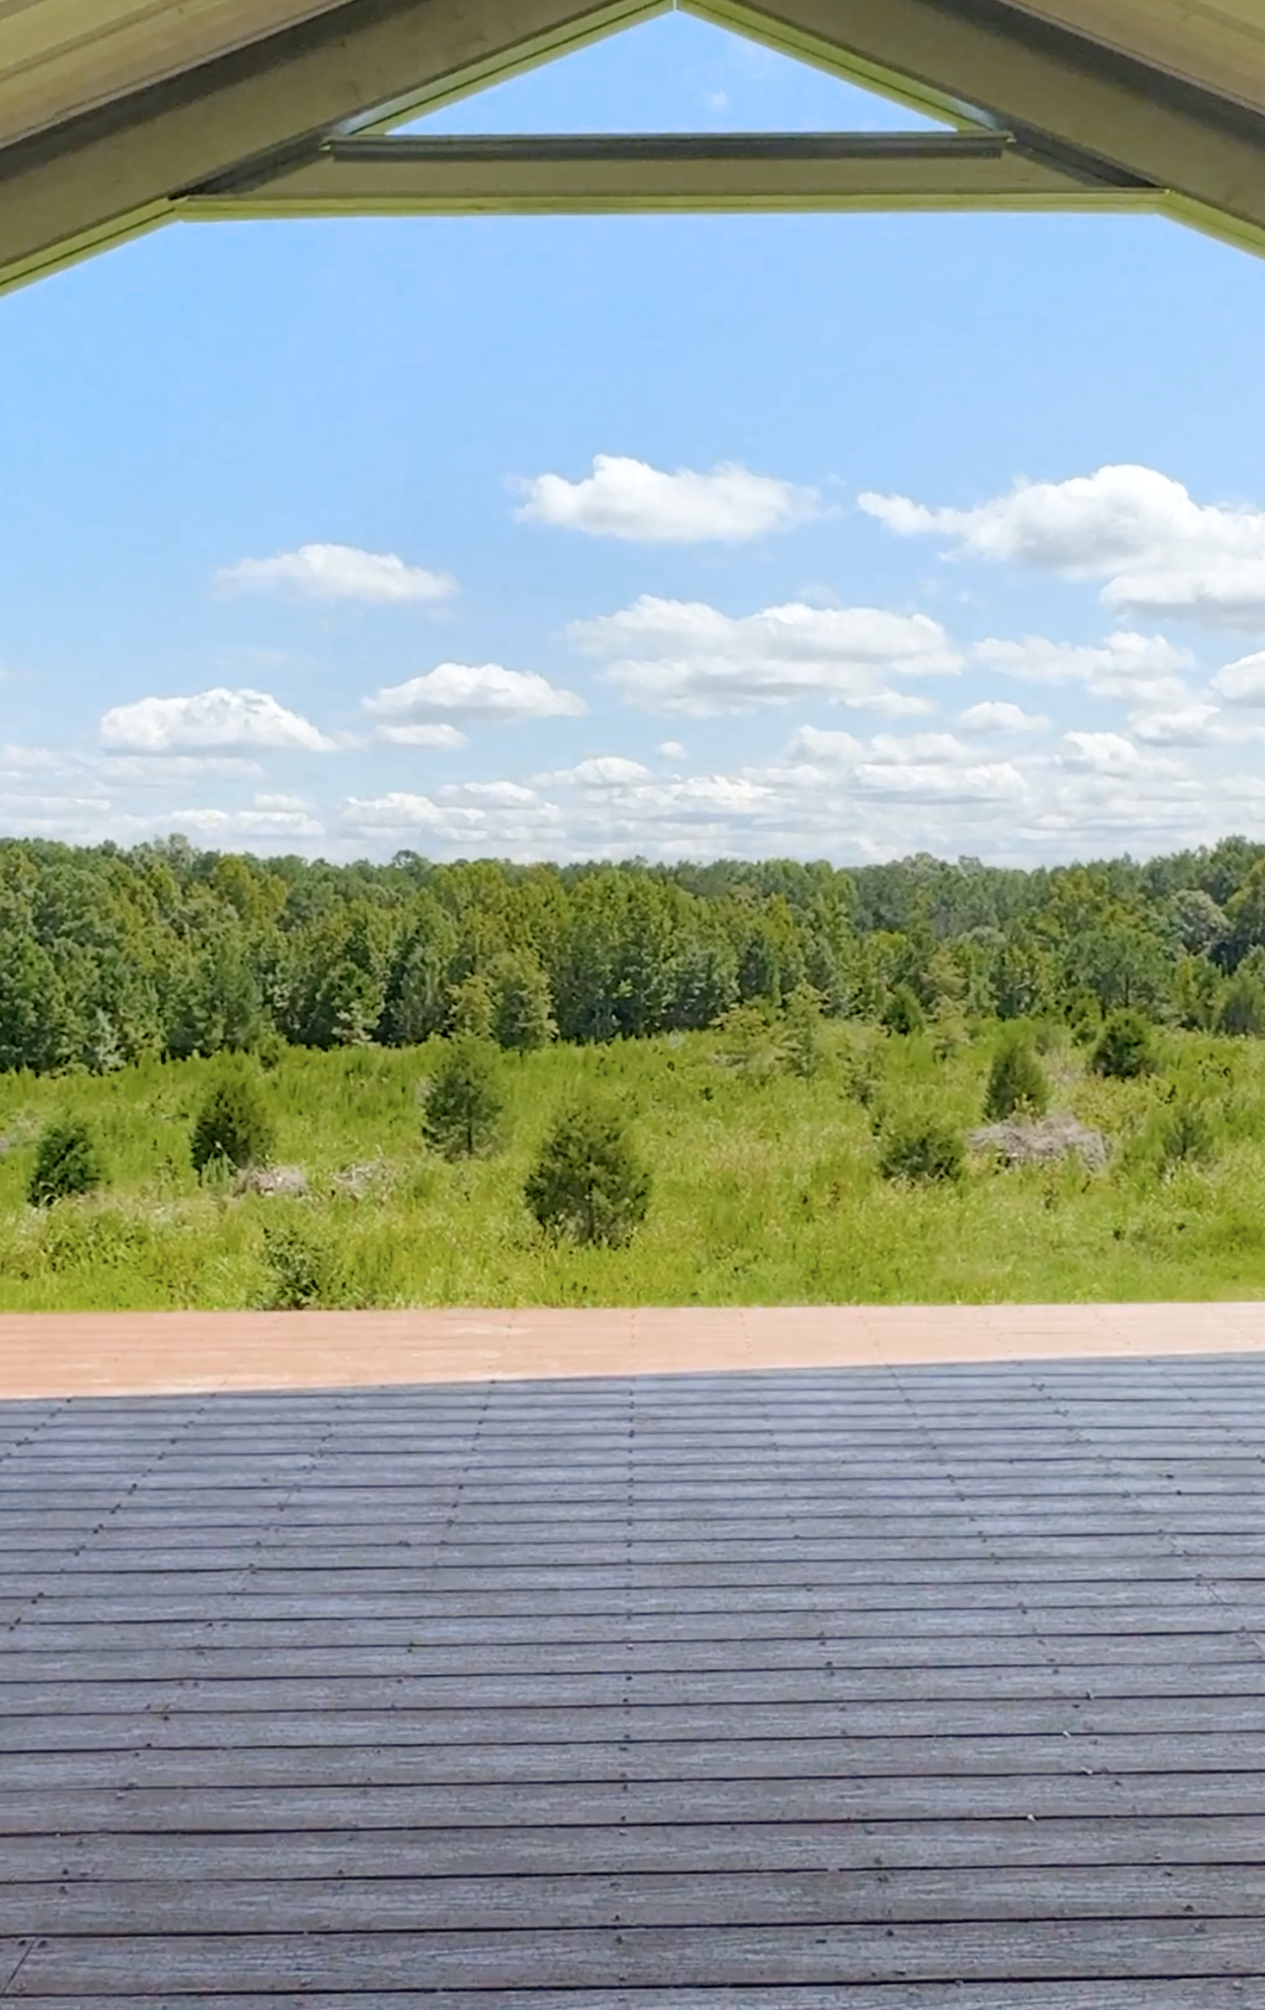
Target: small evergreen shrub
304, 1269
754, 1039
66, 1163
233, 1126
588, 1181
923, 1150
803, 1031
1187, 1136
471, 1008
902, 1013
1016, 1082
1124, 1049
464, 1103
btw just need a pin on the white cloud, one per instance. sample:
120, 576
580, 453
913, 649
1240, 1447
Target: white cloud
1193, 725
683, 656
629, 499
400, 810
445, 737
211, 719
475, 691
215, 825
936, 747
812, 743
341, 572
997, 716
1115, 754
604, 771
672, 750
1243, 682
504, 795
1126, 665
476, 819
1156, 549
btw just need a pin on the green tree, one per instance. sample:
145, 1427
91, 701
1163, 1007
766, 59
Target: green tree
1242, 1008
464, 1102
1195, 919
588, 1181
417, 988
803, 1031
903, 1014
522, 1007
1197, 987
1125, 1047
471, 1008
38, 1026
1016, 1081
67, 1162
233, 1124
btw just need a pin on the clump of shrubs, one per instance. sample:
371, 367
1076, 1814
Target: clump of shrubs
1242, 1009
903, 1013
1186, 1135
304, 1268
1016, 1081
1125, 1047
923, 1151
588, 1182
67, 1163
233, 1127
464, 1101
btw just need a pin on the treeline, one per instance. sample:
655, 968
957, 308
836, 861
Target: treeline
107, 955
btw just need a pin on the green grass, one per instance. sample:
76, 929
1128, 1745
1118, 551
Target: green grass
766, 1186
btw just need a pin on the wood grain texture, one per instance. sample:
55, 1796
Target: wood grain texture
891, 1688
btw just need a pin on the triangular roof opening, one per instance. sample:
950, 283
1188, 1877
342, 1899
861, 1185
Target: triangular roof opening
673, 73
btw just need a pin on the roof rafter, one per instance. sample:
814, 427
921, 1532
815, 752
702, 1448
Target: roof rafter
1041, 82
121, 169
250, 107
592, 174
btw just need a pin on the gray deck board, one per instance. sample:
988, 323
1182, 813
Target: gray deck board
890, 1689
1095, 1994
665, 1957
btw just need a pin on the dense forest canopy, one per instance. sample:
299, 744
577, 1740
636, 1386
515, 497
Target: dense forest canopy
107, 956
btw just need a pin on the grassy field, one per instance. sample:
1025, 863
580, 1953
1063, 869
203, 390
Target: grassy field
767, 1188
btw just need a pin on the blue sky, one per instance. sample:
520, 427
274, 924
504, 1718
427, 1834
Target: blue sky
547, 537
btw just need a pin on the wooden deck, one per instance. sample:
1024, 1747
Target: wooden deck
890, 1686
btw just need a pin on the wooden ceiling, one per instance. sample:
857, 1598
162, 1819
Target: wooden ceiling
117, 115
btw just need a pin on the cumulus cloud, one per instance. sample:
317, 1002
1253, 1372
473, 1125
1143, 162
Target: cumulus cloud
210, 720
341, 572
1243, 682
603, 771
1126, 665
446, 738
215, 826
400, 810
474, 691
1194, 725
1116, 754
1155, 548
474, 819
687, 657
814, 743
629, 499
998, 716
672, 750
504, 795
